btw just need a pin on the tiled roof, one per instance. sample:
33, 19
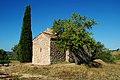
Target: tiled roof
47, 32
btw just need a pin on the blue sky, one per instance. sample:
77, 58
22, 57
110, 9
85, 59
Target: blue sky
44, 12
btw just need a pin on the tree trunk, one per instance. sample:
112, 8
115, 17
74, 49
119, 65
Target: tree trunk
75, 58
67, 55
80, 56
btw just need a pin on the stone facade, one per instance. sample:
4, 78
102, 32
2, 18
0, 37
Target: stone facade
41, 50
44, 50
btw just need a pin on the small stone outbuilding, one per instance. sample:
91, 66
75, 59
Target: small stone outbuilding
44, 50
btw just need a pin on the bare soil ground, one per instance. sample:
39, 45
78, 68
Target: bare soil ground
61, 71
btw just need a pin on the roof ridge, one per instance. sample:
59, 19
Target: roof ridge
50, 34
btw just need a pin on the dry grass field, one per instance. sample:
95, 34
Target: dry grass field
116, 52
61, 71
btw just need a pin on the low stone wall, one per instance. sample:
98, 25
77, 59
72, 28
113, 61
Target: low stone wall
56, 55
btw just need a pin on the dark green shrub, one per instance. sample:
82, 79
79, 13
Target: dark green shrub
3, 57
106, 56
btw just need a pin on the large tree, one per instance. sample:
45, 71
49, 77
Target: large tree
25, 42
73, 34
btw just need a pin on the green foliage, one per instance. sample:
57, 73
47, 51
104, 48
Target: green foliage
25, 42
117, 57
118, 49
72, 31
96, 48
100, 52
14, 54
106, 56
3, 57
73, 34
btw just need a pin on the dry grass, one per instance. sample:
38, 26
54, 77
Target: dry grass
63, 71
116, 52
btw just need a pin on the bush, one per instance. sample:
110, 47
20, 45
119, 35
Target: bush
3, 57
117, 57
106, 56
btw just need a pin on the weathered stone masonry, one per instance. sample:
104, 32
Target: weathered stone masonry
41, 50
44, 50
56, 55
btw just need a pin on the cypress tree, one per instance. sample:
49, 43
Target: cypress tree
25, 42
